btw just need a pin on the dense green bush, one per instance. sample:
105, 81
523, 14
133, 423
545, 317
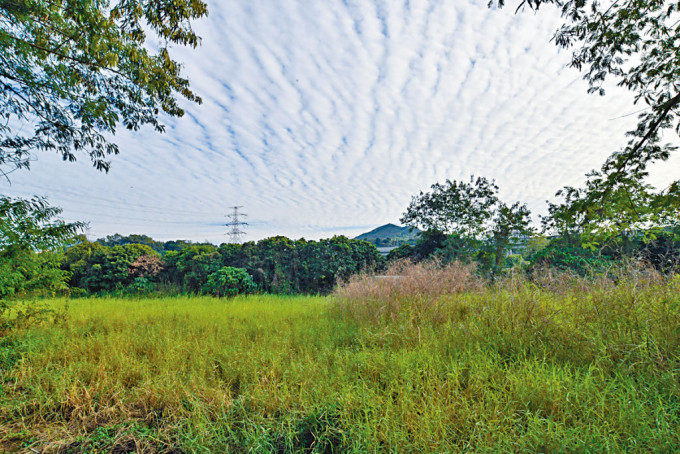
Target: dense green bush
190, 267
32, 273
98, 268
31, 235
229, 281
562, 255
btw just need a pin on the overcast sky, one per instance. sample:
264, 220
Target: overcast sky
324, 117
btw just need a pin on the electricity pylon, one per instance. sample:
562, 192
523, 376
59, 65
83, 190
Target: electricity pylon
235, 233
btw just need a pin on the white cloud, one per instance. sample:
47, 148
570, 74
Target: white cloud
325, 117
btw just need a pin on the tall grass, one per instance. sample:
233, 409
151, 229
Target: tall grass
415, 290
434, 361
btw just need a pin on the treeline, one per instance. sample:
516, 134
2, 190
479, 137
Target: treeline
275, 265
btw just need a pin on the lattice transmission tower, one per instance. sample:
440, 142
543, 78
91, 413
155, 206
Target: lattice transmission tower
235, 223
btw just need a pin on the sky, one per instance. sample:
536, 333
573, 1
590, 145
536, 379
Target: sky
324, 117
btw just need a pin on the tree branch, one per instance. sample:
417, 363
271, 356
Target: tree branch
72, 58
652, 129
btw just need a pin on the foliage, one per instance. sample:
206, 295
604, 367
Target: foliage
77, 258
280, 265
96, 268
273, 262
146, 266
635, 42
28, 230
76, 70
120, 240
141, 286
454, 207
277, 264
479, 225
604, 212
429, 243
190, 267
176, 245
30, 273
562, 254
33, 225
511, 225
402, 252
161, 247
327, 262
457, 248
229, 281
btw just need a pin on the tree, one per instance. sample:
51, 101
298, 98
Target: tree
274, 263
478, 225
77, 261
97, 268
511, 223
604, 212
29, 230
325, 262
635, 42
118, 240
229, 281
454, 208
190, 267
146, 267
76, 70
32, 225
405, 251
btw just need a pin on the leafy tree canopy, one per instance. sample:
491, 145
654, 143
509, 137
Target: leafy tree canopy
26, 228
229, 281
454, 207
601, 212
118, 240
634, 42
477, 222
32, 225
75, 70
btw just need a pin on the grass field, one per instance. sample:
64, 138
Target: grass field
405, 366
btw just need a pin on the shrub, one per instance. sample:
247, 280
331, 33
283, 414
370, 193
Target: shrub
141, 285
569, 257
229, 281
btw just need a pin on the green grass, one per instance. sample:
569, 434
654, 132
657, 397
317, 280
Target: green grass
511, 368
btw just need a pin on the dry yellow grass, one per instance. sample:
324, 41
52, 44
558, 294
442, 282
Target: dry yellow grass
436, 361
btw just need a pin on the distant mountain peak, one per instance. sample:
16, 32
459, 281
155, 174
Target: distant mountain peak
394, 233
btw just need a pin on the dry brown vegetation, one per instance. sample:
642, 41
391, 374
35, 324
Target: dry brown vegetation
416, 287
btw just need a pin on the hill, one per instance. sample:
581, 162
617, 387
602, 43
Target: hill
390, 235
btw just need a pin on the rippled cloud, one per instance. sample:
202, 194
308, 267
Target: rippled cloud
326, 117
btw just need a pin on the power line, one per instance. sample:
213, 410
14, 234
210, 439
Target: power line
235, 233
109, 203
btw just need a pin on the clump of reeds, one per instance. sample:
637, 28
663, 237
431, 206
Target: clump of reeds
563, 281
629, 313
406, 288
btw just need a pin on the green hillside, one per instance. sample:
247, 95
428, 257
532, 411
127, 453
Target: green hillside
390, 235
